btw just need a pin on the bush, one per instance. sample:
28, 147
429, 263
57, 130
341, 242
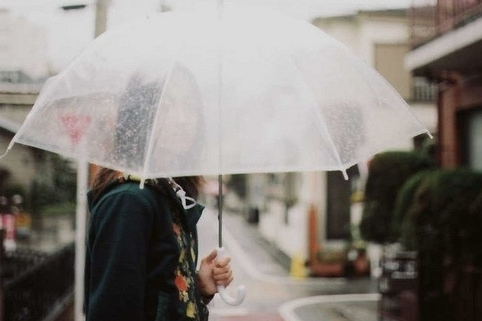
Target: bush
474, 232
387, 173
405, 199
55, 183
443, 214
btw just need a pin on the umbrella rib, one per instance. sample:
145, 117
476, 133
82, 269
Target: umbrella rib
154, 124
318, 115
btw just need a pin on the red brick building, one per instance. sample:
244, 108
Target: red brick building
447, 50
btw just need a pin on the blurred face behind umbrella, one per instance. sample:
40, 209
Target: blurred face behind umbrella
136, 112
159, 117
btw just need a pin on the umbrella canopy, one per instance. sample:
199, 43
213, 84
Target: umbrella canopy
180, 93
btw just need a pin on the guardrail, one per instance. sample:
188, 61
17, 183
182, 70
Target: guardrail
36, 286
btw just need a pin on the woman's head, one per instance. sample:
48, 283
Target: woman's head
103, 177
160, 124
137, 109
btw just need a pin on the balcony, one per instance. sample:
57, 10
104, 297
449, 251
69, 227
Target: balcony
432, 18
446, 36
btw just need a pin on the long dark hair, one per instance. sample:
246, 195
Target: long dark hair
104, 177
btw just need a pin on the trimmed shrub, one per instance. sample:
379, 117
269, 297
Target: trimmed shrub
443, 214
387, 173
403, 204
442, 220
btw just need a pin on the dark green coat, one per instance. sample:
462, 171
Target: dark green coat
141, 256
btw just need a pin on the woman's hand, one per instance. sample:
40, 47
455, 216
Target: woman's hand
213, 272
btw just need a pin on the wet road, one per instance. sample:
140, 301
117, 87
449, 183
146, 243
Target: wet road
270, 290
272, 295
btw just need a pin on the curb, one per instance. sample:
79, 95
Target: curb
287, 310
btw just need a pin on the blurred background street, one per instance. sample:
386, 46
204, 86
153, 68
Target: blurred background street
272, 294
400, 240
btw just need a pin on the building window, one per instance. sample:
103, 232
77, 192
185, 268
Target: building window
338, 218
389, 63
471, 137
423, 90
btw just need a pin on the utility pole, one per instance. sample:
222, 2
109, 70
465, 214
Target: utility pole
101, 9
83, 172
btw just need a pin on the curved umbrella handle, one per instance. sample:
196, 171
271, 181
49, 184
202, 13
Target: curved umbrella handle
221, 253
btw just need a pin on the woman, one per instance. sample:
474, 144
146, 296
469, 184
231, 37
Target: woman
142, 251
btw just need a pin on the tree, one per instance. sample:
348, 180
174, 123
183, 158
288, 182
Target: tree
55, 183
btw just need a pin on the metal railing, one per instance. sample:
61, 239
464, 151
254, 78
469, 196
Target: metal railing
35, 285
431, 18
423, 90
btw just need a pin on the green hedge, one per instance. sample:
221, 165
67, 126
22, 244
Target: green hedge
441, 218
441, 212
403, 205
387, 173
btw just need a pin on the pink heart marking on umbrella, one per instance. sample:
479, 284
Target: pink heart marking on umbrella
75, 126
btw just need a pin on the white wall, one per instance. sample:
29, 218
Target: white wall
291, 236
22, 46
360, 33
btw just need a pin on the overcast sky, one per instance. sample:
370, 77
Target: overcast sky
69, 32
304, 9
307, 9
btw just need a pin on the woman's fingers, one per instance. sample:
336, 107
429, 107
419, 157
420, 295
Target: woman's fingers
224, 279
222, 273
222, 267
223, 262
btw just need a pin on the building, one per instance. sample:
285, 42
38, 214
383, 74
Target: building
23, 69
313, 215
19, 166
447, 50
22, 48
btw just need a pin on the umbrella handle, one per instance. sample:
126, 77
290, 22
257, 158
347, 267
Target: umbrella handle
221, 253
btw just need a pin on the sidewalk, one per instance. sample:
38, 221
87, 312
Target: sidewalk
339, 307
339, 299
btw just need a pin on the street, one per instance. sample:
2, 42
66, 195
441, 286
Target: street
272, 295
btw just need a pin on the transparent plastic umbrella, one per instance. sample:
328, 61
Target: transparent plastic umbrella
181, 93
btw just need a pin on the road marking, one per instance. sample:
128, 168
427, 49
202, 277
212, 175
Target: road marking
287, 310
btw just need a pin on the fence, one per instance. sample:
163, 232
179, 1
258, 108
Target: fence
36, 286
398, 286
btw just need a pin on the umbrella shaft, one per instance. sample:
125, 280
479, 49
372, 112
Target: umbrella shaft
220, 211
